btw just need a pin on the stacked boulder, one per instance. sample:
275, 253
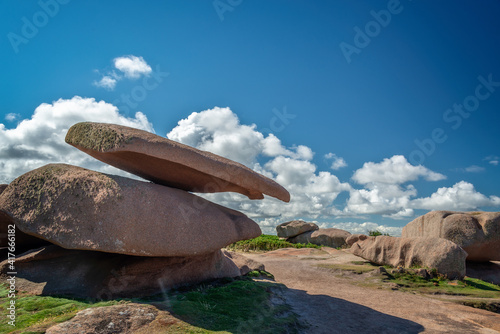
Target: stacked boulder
478, 233
298, 231
108, 236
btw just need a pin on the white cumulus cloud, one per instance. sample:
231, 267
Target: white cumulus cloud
219, 131
395, 170
11, 117
106, 82
462, 196
39, 140
337, 163
132, 66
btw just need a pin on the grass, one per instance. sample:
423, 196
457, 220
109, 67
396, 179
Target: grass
41, 312
243, 306
266, 243
358, 267
223, 306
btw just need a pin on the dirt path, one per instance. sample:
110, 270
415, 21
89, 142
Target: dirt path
331, 304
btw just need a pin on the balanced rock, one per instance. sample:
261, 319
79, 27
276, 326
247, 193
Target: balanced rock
170, 163
434, 253
294, 228
330, 237
478, 233
76, 208
53, 270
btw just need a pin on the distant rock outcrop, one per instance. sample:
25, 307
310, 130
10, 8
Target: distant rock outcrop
295, 227
170, 163
434, 253
478, 233
330, 237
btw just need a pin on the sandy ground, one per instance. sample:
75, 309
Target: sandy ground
330, 303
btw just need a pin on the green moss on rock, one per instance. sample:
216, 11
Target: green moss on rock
93, 136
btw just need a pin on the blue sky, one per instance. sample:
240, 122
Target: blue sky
281, 66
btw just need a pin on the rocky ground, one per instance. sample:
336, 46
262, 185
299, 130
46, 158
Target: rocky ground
331, 300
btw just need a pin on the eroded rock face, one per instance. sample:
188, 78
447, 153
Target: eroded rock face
126, 318
2, 187
355, 238
170, 163
53, 270
294, 228
434, 253
76, 208
331, 237
478, 233
22, 242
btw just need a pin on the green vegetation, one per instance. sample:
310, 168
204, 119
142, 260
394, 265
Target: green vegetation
242, 306
223, 306
266, 242
358, 267
376, 233
41, 312
470, 287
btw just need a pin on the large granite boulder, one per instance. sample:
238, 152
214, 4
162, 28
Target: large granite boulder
76, 208
169, 163
478, 233
294, 228
53, 270
434, 253
122, 318
353, 238
330, 237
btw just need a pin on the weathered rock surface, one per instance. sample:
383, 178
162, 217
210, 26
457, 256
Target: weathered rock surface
2, 187
486, 271
478, 233
76, 208
244, 263
126, 318
21, 241
331, 237
53, 270
354, 238
294, 228
434, 253
170, 163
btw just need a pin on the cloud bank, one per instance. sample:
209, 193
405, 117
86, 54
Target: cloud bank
132, 67
377, 188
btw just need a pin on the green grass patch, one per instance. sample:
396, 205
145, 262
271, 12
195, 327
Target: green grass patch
359, 267
242, 306
42, 311
266, 243
470, 287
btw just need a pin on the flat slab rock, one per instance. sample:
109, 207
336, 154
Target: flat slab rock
478, 233
330, 237
76, 208
294, 228
170, 163
53, 270
434, 253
